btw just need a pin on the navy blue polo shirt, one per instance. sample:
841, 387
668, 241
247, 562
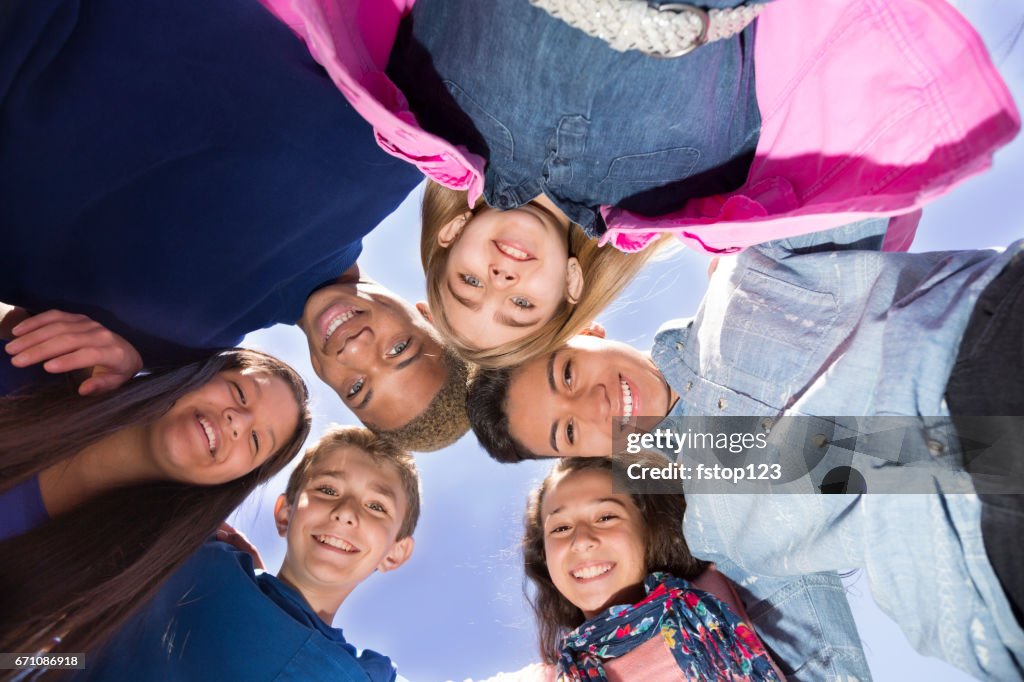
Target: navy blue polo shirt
183, 172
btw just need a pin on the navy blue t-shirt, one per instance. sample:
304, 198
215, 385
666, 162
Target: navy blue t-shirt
215, 619
183, 172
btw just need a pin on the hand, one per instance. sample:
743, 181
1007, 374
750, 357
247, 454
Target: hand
235, 538
65, 342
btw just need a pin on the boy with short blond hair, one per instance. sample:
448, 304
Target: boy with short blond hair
349, 509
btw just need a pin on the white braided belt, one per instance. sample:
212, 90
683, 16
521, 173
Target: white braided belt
671, 30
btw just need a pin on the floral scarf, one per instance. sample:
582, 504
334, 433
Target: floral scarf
708, 640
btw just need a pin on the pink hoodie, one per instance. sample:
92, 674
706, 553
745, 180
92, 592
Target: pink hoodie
869, 108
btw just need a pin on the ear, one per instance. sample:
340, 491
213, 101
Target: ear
593, 329
424, 310
282, 510
573, 281
396, 556
451, 230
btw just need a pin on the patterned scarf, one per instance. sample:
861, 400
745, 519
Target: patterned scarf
708, 640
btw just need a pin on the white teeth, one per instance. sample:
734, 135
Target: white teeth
211, 435
512, 251
335, 542
592, 571
337, 322
627, 402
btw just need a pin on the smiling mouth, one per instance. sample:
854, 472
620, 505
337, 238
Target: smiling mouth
211, 433
336, 543
626, 401
513, 252
592, 571
336, 320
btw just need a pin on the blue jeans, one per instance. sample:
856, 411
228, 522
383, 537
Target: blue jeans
556, 111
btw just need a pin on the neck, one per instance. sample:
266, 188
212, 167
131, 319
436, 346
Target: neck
325, 601
115, 461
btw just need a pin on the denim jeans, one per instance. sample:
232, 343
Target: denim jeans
987, 380
556, 111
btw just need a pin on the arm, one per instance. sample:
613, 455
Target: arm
806, 622
65, 342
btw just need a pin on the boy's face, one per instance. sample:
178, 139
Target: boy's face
375, 350
344, 523
566, 404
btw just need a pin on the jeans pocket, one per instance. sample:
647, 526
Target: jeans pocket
653, 169
495, 134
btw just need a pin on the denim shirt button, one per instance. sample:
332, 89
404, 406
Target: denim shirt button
935, 447
820, 441
680, 346
722, 404
689, 385
767, 424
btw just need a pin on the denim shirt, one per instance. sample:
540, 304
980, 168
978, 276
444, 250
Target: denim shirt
556, 111
824, 325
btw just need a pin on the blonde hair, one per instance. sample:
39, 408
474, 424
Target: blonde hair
606, 272
380, 450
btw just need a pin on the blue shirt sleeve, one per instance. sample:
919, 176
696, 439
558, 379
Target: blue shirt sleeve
21, 509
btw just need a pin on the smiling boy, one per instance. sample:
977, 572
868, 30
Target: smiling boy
349, 510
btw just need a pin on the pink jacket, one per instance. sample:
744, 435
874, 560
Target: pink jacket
869, 108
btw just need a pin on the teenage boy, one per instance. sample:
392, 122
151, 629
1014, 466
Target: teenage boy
183, 174
350, 508
824, 325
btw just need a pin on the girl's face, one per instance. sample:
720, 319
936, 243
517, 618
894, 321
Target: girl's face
593, 541
507, 274
225, 429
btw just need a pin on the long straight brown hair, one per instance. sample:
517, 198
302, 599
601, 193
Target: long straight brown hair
665, 549
70, 583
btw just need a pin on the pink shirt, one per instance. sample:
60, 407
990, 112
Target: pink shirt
869, 108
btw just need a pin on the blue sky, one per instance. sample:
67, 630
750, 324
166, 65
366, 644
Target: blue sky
456, 610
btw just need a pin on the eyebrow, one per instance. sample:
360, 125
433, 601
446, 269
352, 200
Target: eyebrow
509, 321
464, 301
551, 383
594, 503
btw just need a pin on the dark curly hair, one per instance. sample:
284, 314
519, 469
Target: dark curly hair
488, 416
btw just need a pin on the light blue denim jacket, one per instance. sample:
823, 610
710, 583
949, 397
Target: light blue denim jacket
826, 324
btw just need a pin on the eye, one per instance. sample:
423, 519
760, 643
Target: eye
327, 490
558, 529
570, 432
567, 374
377, 507
356, 387
256, 441
240, 392
399, 348
521, 302
607, 517
471, 280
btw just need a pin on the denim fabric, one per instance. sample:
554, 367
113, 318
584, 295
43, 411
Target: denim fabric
805, 621
823, 325
557, 111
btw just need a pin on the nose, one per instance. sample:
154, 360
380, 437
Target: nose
239, 422
583, 538
597, 406
345, 511
360, 352
503, 277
